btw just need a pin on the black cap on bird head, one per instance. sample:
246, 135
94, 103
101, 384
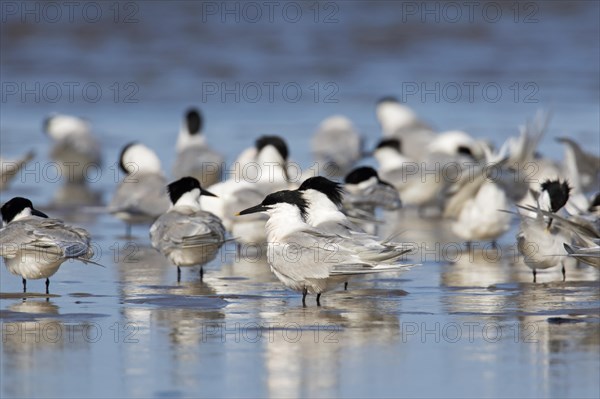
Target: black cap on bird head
123, 151
363, 173
558, 193
194, 121
387, 99
390, 143
276, 142
185, 185
464, 150
15, 206
280, 197
331, 189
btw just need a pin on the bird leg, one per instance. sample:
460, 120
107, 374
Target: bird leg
47, 286
304, 292
201, 273
346, 286
319, 299
24, 286
564, 272
178, 274
534, 274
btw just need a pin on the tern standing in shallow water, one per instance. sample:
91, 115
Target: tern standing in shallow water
307, 259
194, 157
336, 145
141, 197
185, 234
542, 245
75, 147
34, 246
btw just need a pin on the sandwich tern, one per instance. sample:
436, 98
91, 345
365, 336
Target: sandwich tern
141, 197
34, 246
541, 244
324, 198
307, 259
194, 157
75, 147
399, 121
365, 191
336, 144
185, 234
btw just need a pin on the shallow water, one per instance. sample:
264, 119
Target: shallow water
464, 324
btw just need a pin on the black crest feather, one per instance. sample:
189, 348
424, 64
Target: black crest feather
193, 120
558, 193
15, 206
123, 151
331, 189
276, 142
182, 186
290, 197
391, 143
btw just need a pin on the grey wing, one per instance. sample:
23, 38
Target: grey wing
459, 193
341, 146
83, 146
143, 194
175, 230
382, 195
50, 235
198, 162
206, 229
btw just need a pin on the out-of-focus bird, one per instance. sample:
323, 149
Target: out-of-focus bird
75, 148
336, 145
194, 157
141, 197
9, 168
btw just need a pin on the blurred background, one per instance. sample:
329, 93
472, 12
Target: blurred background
132, 68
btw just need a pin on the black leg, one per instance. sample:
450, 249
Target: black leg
24, 286
178, 274
564, 272
47, 286
319, 299
304, 292
346, 286
201, 273
534, 275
